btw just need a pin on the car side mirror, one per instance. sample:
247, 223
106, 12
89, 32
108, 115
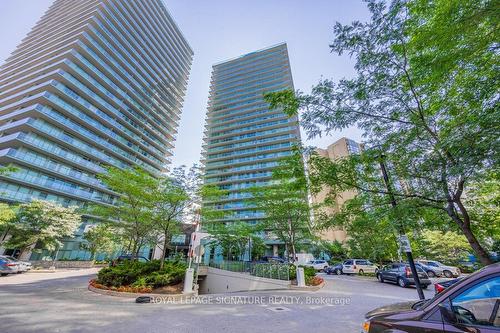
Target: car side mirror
447, 312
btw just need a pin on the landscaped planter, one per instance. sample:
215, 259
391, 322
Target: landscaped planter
111, 292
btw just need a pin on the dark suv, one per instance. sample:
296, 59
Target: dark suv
400, 273
128, 257
470, 305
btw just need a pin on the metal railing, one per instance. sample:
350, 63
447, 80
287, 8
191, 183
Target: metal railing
276, 271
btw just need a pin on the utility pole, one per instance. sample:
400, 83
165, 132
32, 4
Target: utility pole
407, 248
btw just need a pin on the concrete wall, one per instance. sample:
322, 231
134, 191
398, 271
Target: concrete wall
63, 264
221, 281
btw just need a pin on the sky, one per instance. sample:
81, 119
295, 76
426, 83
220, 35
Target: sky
218, 30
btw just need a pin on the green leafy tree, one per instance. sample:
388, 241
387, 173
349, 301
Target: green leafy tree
100, 238
233, 238
335, 250
132, 212
483, 203
173, 199
430, 108
42, 223
284, 203
448, 247
7, 214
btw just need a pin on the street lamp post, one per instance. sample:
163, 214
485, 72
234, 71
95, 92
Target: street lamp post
402, 238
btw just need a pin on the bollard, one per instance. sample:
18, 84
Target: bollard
188, 281
301, 279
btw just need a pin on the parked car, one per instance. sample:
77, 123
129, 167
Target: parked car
125, 257
317, 264
400, 273
448, 271
334, 269
277, 260
23, 265
440, 286
470, 305
358, 266
8, 267
432, 272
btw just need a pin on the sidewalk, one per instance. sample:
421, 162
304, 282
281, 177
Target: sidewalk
34, 276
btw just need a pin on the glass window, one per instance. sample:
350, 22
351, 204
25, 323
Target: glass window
480, 304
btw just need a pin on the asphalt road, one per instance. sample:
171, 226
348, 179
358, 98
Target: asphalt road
60, 302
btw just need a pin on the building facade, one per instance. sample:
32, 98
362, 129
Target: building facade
95, 83
339, 149
244, 139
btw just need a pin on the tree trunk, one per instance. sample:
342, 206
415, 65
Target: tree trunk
164, 250
464, 225
480, 252
292, 239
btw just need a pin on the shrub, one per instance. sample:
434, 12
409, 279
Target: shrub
309, 272
313, 280
142, 275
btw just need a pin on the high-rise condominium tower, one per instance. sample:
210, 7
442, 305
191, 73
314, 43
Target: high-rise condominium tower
244, 139
95, 83
341, 148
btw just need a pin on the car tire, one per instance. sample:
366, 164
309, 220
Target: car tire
402, 283
380, 278
361, 272
338, 272
448, 274
424, 286
431, 274
328, 273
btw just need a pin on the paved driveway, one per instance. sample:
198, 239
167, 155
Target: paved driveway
60, 302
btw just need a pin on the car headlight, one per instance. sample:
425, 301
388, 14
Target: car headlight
366, 326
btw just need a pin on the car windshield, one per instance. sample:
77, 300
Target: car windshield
422, 304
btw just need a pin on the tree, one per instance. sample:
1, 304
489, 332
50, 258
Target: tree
449, 247
173, 196
99, 238
432, 111
284, 203
483, 203
335, 250
233, 238
42, 223
133, 209
7, 214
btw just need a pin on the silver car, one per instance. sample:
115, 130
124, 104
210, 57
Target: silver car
8, 267
447, 271
23, 265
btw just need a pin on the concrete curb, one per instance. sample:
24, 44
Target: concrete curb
135, 295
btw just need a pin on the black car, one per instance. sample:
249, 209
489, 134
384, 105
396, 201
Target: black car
400, 273
470, 305
334, 269
126, 257
274, 260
